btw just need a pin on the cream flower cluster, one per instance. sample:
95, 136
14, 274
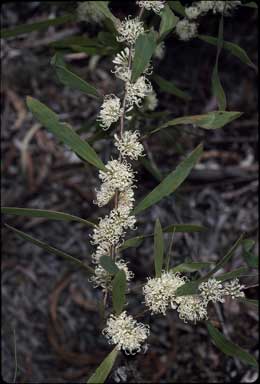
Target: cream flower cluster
126, 333
110, 111
186, 28
117, 181
150, 102
118, 178
129, 145
129, 30
160, 294
202, 7
155, 6
103, 279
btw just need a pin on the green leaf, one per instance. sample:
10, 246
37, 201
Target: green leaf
232, 275
210, 120
25, 28
170, 87
217, 88
136, 241
228, 347
102, 6
249, 301
189, 288
118, 291
107, 263
63, 132
251, 4
171, 182
158, 248
51, 249
249, 257
177, 7
144, 49
191, 267
168, 22
225, 258
84, 41
234, 49
102, 372
70, 79
51, 215
184, 228
108, 39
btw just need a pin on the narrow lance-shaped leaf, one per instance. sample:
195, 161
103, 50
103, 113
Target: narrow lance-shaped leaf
177, 7
217, 88
118, 291
170, 87
102, 372
51, 215
228, 347
250, 258
225, 258
233, 48
210, 120
191, 267
158, 248
253, 302
70, 79
144, 49
102, 7
232, 274
25, 28
190, 228
64, 132
51, 249
168, 255
168, 22
108, 264
250, 4
171, 182
191, 287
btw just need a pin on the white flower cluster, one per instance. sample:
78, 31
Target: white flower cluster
155, 6
150, 102
160, 294
126, 333
117, 181
202, 7
129, 30
104, 279
135, 92
122, 70
186, 28
110, 111
129, 145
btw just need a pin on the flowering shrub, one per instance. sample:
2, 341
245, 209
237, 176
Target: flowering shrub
171, 289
